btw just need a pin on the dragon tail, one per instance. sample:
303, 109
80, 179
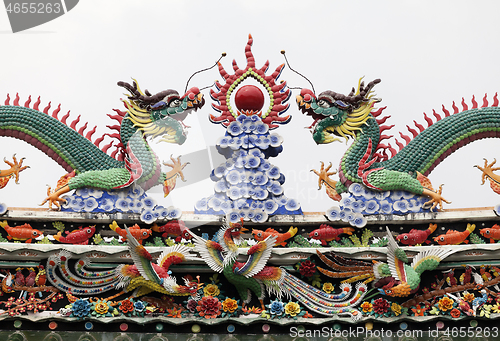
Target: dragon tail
446, 135
63, 143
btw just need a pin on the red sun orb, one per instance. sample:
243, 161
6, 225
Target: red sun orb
249, 98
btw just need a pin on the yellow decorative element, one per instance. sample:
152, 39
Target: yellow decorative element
211, 290
396, 309
488, 170
445, 304
292, 309
229, 305
101, 307
468, 297
367, 307
328, 287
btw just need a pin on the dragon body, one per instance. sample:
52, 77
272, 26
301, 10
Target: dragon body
132, 162
367, 161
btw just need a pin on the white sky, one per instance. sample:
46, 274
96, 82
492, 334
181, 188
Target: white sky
427, 53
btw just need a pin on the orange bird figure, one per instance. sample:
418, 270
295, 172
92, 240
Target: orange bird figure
493, 233
454, 237
259, 235
138, 233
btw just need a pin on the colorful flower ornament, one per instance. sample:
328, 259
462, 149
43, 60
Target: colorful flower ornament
229, 307
292, 309
367, 307
276, 309
307, 268
211, 290
80, 308
209, 307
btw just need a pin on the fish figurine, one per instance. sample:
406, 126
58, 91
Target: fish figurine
23, 233
281, 237
416, 237
78, 237
175, 228
455, 237
326, 233
135, 231
493, 233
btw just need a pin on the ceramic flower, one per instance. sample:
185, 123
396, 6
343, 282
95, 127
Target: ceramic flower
211, 290
468, 297
445, 304
380, 306
276, 308
292, 309
191, 305
209, 307
139, 306
455, 313
102, 308
126, 306
396, 309
328, 287
307, 268
229, 305
367, 307
81, 308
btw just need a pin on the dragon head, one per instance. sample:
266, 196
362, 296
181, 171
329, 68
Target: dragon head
162, 114
336, 114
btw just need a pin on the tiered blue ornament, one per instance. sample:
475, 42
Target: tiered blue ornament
247, 185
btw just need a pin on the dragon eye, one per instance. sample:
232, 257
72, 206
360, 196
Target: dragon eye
405, 237
259, 234
35, 233
441, 239
487, 232
89, 231
323, 103
144, 233
316, 234
174, 103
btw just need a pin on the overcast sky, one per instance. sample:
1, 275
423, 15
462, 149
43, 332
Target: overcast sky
427, 53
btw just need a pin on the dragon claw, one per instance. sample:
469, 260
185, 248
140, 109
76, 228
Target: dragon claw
53, 197
324, 179
15, 168
171, 177
436, 199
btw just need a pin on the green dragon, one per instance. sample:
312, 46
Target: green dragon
366, 161
133, 161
